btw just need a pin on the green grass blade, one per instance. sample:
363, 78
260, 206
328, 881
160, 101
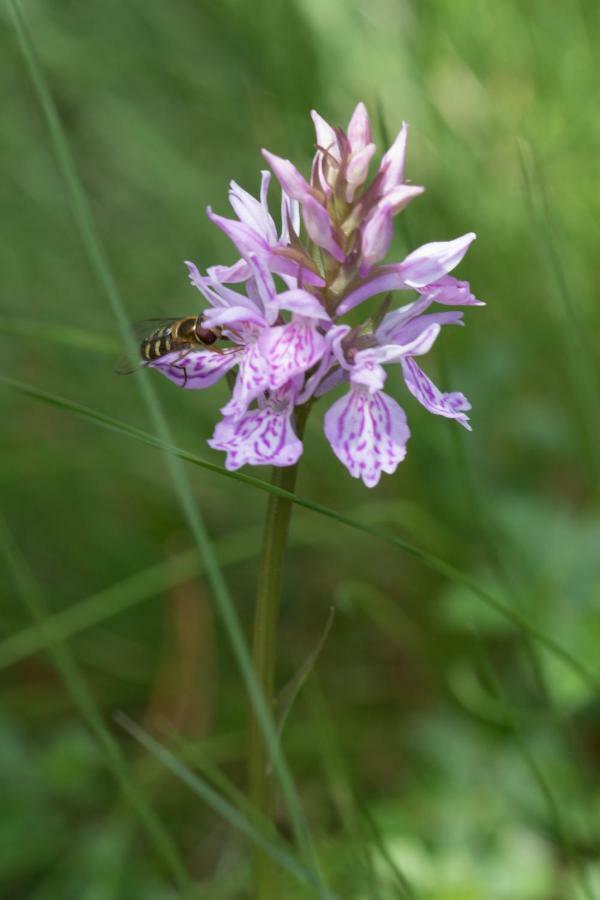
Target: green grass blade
536, 770
83, 699
65, 335
220, 805
429, 559
100, 264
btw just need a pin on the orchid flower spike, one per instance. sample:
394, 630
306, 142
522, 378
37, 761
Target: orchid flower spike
280, 334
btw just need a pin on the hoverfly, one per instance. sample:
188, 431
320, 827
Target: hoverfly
160, 337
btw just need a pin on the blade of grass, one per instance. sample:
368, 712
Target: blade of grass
82, 697
433, 562
220, 805
536, 770
65, 335
581, 366
100, 265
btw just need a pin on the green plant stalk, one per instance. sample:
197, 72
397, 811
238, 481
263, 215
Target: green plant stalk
264, 655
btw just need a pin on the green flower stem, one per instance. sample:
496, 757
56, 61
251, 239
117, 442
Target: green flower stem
264, 657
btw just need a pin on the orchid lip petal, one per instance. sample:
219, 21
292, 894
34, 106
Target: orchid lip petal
368, 433
263, 436
453, 405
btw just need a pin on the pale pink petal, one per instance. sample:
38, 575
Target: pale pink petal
425, 265
261, 437
450, 291
452, 405
238, 271
358, 169
233, 315
242, 235
216, 293
433, 261
290, 179
325, 135
253, 212
290, 349
265, 287
399, 197
252, 379
392, 164
197, 369
413, 329
359, 128
393, 321
368, 434
319, 227
303, 303
368, 372
376, 238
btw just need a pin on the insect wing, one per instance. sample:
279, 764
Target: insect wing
132, 361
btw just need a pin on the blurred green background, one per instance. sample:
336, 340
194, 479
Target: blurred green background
439, 752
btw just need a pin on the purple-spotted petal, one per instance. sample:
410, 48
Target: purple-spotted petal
261, 437
252, 380
291, 349
319, 227
450, 291
368, 434
197, 369
453, 405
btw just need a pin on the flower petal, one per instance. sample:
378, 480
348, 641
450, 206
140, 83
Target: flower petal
368, 434
319, 227
303, 303
432, 261
358, 169
253, 212
425, 265
376, 238
453, 405
261, 437
290, 179
450, 291
359, 128
392, 163
291, 349
243, 236
410, 331
325, 135
197, 369
238, 271
252, 379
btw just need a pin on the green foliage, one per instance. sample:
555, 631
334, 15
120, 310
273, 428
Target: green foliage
440, 751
